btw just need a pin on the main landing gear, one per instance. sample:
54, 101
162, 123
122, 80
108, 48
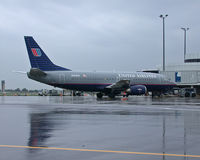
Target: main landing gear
156, 93
99, 95
112, 96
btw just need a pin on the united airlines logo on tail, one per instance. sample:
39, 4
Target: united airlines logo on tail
36, 52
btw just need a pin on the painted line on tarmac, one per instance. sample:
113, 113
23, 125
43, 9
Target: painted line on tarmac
102, 151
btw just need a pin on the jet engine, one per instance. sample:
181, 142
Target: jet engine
137, 90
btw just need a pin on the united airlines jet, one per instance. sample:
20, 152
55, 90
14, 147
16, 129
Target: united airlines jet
103, 83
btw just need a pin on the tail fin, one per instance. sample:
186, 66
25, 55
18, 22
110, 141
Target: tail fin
38, 58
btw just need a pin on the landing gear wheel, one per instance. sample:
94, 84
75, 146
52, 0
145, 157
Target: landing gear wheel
187, 94
156, 93
112, 96
99, 95
193, 95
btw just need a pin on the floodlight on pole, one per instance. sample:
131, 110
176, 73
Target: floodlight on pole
163, 18
185, 30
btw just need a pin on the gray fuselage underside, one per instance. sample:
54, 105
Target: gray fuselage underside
97, 81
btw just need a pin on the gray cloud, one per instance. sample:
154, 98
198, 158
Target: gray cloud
95, 34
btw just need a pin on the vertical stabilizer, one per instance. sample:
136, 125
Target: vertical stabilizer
38, 58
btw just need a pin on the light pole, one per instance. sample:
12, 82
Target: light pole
185, 30
163, 18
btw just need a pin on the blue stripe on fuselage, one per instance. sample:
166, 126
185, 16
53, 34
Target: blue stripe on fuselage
99, 87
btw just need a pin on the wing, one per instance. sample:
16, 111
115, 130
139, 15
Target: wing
119, 86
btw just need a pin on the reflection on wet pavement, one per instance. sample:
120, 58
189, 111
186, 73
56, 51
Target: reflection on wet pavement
139, 124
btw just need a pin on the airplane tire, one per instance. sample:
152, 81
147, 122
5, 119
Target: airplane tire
99, 95
193, 95
156, 93
187, 94
112, 96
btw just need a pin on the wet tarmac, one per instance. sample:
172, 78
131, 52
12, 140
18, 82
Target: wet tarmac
83, 128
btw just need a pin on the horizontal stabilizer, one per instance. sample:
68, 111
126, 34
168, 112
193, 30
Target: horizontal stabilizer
20, 72
37, 72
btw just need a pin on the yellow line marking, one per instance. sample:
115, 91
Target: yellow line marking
103, 151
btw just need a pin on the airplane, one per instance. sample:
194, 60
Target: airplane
102, 83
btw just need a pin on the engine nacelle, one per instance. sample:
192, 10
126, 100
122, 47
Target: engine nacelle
137, 90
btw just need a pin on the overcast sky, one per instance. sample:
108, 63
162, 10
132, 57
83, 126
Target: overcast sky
101, 35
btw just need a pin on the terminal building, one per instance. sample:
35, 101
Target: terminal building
184, 75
